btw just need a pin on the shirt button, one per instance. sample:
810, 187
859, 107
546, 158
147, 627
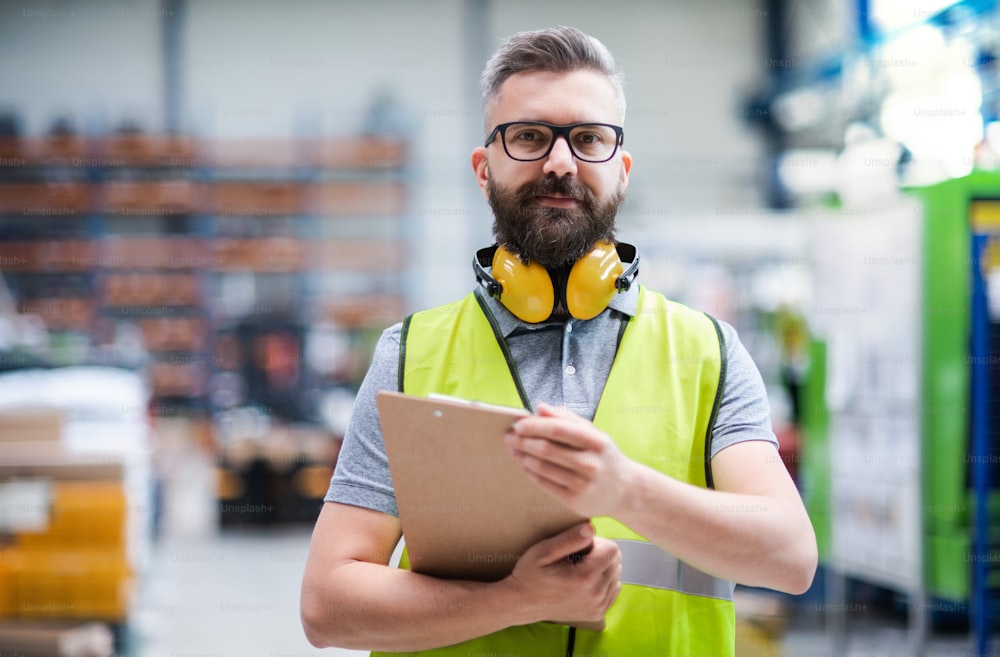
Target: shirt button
569, 327
570, 370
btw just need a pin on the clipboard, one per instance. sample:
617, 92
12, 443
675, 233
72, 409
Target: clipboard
466, 509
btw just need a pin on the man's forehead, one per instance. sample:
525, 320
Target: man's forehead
585, 94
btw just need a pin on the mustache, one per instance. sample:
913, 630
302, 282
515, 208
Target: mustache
553, 185
553, 237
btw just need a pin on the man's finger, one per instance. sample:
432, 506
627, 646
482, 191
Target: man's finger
559, 430
560, 471
548, 410
573, 540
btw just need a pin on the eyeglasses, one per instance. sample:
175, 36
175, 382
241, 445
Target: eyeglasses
528, 141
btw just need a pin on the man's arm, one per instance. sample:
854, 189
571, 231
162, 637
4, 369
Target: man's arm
351, 598
752, 529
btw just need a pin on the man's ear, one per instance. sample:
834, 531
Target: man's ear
626, 168
481, 168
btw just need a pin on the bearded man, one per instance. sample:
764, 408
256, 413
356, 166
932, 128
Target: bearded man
648, 417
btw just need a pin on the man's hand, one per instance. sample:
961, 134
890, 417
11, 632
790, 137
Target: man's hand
558, 585
572, 460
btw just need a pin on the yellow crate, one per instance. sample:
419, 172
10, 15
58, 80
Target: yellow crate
88, 583
10, 559
84, 513
752, 640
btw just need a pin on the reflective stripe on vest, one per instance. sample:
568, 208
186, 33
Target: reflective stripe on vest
659, 406
644, 564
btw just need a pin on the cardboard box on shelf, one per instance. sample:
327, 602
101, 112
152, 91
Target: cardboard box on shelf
54, 462
161, 196
38, 256
256, 198
30, 425
367, 198
761, 621
362, 152
63, 639
45, 198
136, 150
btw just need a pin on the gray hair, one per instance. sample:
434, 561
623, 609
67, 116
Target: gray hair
556, 49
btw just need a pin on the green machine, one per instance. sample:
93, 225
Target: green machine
955, 211
959, 401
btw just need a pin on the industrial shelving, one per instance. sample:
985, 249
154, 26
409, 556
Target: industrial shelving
146, 230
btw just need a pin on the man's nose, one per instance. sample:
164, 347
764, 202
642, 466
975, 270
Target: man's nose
560, 160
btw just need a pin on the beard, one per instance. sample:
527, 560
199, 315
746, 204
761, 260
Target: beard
552, 237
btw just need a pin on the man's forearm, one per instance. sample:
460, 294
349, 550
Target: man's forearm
750, 539
352, 598
374, 607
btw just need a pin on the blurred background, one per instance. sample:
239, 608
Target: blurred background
210, 210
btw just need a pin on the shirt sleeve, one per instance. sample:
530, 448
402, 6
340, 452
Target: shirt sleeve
362, 476
744, 413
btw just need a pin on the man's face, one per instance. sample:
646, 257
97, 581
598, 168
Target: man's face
554, 209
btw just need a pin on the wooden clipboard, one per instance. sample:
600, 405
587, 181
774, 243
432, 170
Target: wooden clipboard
466, 509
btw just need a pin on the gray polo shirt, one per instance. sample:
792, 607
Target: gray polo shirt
564, 364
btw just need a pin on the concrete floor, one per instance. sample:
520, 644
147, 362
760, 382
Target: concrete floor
235, 594
210, 592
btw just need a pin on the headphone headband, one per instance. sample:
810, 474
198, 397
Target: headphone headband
482, 260
628, 253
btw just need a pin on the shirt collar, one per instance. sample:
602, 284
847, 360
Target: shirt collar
624, 303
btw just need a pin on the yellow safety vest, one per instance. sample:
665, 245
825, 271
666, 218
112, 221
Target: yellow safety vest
659, 405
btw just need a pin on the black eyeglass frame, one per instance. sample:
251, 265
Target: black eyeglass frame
557, 131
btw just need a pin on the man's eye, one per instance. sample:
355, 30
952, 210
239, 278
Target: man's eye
528, 135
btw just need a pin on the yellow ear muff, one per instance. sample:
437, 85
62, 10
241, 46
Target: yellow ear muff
591, 282
527, 289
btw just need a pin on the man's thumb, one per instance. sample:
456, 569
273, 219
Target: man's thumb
577, 538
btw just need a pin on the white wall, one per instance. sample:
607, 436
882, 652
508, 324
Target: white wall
96, 63
250, 67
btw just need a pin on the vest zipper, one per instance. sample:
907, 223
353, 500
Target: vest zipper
570, 642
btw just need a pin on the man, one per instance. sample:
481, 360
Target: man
649, 418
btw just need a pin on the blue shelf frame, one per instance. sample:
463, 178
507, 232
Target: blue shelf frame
980, 356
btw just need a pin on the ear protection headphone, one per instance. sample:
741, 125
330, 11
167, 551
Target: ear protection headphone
531, 291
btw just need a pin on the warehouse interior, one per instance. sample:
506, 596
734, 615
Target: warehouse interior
210, 211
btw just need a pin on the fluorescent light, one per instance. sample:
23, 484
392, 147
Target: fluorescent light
890, 15
939, 121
